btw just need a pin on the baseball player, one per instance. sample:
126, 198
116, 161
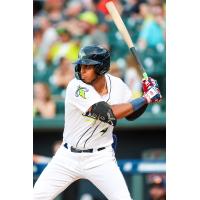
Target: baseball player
94, 102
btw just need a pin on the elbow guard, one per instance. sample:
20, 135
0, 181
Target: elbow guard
104, 113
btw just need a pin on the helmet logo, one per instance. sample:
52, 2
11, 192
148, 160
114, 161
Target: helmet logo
81, 92
82, 54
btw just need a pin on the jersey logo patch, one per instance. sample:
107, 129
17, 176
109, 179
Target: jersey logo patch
103, 131
81, 92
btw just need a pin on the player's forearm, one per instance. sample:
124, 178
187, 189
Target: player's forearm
123, 110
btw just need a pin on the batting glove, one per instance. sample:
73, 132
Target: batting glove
153, 95
148, 83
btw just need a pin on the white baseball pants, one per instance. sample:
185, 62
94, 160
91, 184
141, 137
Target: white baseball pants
99, 167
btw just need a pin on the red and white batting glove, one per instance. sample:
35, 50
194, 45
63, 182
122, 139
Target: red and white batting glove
148, 83
153, 95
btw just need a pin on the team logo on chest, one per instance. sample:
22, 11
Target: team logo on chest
81, 92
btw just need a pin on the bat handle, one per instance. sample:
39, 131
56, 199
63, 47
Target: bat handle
135, 55
145, 76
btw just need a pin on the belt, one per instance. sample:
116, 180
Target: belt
82, 151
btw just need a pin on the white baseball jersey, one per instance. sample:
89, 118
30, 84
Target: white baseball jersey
82, 131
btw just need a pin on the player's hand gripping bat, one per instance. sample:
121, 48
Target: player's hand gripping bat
124, 32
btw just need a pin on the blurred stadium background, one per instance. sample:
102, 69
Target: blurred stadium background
60, 29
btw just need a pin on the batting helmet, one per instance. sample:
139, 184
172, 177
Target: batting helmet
93, 55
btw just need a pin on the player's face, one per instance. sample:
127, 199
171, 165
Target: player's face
87, 73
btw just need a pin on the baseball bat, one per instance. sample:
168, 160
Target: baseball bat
125, 34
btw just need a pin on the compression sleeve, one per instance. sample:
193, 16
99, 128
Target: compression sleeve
139, 107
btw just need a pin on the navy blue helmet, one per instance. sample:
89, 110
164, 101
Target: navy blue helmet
93, 55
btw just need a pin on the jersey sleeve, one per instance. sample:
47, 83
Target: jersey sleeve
81, 95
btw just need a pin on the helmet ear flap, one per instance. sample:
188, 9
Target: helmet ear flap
103, 67
78, 71
98, 69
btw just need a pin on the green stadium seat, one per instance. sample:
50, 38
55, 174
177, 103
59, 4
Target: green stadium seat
60, 106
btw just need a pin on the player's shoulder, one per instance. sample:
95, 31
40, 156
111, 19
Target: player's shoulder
118, 84
115, 79
75, 83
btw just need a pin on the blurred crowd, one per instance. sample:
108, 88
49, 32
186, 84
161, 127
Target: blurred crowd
62, 27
